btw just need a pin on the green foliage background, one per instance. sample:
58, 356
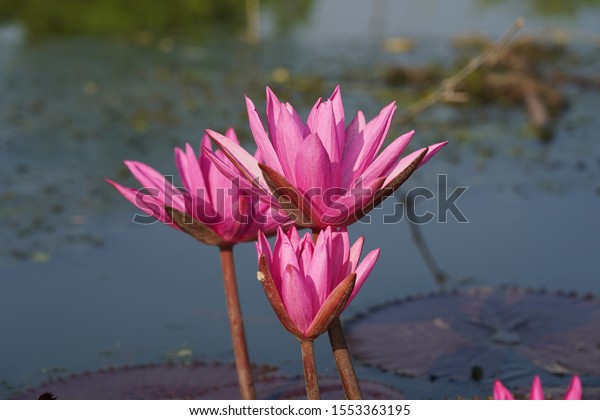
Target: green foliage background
111, 17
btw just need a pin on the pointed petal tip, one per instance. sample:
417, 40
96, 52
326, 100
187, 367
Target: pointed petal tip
120, 188
211, 133
500, 392
575, 390
231, 135
537, 392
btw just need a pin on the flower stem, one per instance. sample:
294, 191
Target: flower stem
343, 361
236, 324
310, 370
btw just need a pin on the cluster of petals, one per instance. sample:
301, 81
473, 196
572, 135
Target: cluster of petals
322, 172
537, 393
310, 282
210, 206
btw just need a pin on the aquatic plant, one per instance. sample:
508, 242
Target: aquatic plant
322, 172
215, 211
536, 393
310, 282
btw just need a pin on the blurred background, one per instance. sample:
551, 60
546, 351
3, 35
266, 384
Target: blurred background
85, 85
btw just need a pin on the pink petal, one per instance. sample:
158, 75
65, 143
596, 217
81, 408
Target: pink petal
235, 205
298, 296
536, 389
295, 116
286, 254
313, 168
205, 163
307, 248
340, 251
324, 125
291, 200
220, 188
274, 107
150, 178
354, 144
331, 308
145, 202
263, 248
372, 139
294, 238
230, 134
225, 166
244, 161
355, 252
286, 141
342, 212
574, 391
262, 140
319, 271
274, 297
363, 271
384, 163
312, 115
338, 111
432, 150
376, 130
501, 393
190, 172
402, 165
231, 172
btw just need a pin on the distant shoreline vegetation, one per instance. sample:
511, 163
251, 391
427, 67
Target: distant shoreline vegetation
117, 17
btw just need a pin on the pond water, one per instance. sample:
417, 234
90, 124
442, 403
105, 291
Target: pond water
82, 287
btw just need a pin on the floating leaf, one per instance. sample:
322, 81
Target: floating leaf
284, 388
152, 382
480, 330
198, 380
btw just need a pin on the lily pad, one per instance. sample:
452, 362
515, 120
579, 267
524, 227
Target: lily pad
152, 382
285, 388
459, 333
198, 380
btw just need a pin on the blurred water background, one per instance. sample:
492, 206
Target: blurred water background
86, 85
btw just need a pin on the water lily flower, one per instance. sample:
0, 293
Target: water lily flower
215, 210
310, 283
210, 206
536, 393
322, 172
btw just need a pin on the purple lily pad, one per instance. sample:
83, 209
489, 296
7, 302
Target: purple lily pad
152, 382
284, 388
450, 335
199, 380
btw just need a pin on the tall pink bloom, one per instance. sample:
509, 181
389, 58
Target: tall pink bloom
322, 172
210, 206
307, 283
214, 209
536, 393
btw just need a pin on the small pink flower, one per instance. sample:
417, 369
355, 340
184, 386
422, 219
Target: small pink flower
536, 393
322, 172
211, 207
309, 284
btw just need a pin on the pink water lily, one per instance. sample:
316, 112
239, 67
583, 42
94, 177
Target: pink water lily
210, 206
322, 172
536, 393
309, 283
